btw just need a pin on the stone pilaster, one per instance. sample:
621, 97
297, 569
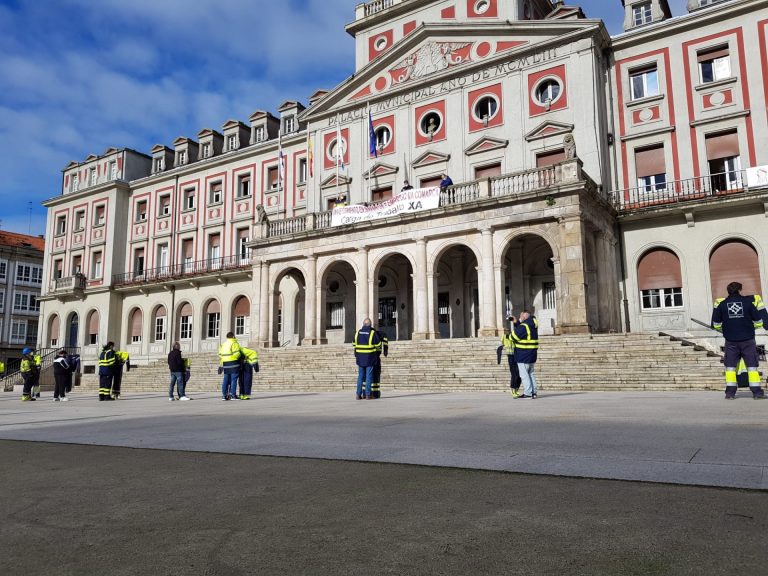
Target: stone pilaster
263, 313
310, 303
573, 294
421, 297
488, 325
362, 300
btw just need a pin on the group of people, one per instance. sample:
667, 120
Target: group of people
369, 345
237, 364
520, 343
64, 366
111, 364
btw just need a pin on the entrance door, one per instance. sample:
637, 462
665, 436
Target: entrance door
388, 317
72, 339
444, 314
547, 313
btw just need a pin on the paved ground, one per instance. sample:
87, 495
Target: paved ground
209, 499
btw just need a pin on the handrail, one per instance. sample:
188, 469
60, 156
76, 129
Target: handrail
47, 355
197, 268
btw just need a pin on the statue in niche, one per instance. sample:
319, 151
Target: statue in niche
261, 214
432, 128
569, 145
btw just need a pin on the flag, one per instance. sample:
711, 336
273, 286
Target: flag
280, 157
339, 146
372, 136
310, 154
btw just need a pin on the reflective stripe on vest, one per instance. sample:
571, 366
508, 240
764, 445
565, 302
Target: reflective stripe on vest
527, 343
106, 358
508, 342
369, 348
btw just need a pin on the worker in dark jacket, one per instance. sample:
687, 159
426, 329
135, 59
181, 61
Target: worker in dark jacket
62, 375
366, 345
178, 369
525, 333
106, 371
737, 317
383, 349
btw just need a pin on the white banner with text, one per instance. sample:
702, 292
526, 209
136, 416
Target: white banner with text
405, 202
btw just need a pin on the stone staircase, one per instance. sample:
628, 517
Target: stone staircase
636, 361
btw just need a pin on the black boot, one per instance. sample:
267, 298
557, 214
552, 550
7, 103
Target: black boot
730, 392
757, 392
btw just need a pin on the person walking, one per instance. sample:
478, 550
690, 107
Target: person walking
508, 348
229, 364
525, 333
107, 361
62, 375
121, 359
177, 367
383, 349
737, 317
249, 366
366, 346
27, 369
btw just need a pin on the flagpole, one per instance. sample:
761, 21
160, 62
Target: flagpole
366, 152
338, 154
279, 159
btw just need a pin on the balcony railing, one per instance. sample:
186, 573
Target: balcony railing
70, 284
184, 270
378, 6
676, 191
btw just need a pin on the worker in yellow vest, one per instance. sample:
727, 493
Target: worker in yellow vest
230, 358
27, 369
38, 360
2, 369
121, 359
250, 365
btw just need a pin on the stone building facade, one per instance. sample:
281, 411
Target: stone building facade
606, 183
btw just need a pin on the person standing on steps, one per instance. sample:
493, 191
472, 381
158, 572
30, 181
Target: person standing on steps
107, 361
383, 349
508, 348
366, 345
525, 333
62, 375
177, 367
249, 365
230, 357
737, 317
121, 359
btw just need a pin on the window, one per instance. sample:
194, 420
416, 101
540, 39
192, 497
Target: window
3, 269
547, 92
206, 150
214, 196
214, 319
381, 194
160, 329
98, 215
58, 269
75, 182
77, 265
659, 280
141, 211
430, 124
186, 253
335, 315
724, 161
302, 175
79, 220
165, 205
61, 225
28, 274
181, 157
18, 331
93, 177
242, 245
25, 302
2, 302
641, 14
232, 142
96, 270
644, 83
260, 134
272, 174
113, 170
189, 199
714, 65
159, 164
289, 124
651, 169
334, 202
239, 325
185, 332
214, 246
244, 186
138, 262
383, 137
162, 256
486, 108
489, 171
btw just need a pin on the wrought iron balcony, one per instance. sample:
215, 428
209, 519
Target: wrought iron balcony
69, 285
190, 269
710, 187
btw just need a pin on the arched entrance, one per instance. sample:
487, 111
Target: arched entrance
338, 307
457, 299
734, 261
393, 293
73, 327
528, 280
288, 306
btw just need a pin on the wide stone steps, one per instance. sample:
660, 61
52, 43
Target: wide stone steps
599, 362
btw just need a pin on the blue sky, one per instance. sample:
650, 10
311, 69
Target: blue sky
79, 76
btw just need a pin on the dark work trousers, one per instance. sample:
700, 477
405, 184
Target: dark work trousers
28, 381
376, 380
734, 351
514, 373
246, 379
117, 380
63, 383
105, 386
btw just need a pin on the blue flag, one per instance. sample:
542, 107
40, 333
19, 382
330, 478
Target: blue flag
372, 136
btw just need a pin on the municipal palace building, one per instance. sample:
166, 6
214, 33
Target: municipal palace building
605, 183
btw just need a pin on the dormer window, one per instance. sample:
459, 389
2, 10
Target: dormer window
113, 170
260, 134
93, 177
75, 182
232, 142
181, 158
206, 150
641, 14
290, 124
159, 164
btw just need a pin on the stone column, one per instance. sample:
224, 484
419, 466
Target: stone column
573, 297
487, 324
498, 286
433, 331
421, 297
362, 302
310, 302
264, 308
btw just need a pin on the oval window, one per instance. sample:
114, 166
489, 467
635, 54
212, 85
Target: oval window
380, 43
430, 123
548, 91
383, 137
486, 108
481, 6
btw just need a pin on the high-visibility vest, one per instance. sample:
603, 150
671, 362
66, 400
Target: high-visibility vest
531, 340
251, 356
121, 356
26, 365
38, 360
107, 358
2, 367
369, 347
508, 342
229, 353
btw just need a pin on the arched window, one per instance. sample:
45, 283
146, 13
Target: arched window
93, 328
136, 324
734, 261
241, 312
159, 325
53, 331
659, 280
212, 319
185, 322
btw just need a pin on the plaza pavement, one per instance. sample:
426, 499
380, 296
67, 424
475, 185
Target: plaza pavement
694, 438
